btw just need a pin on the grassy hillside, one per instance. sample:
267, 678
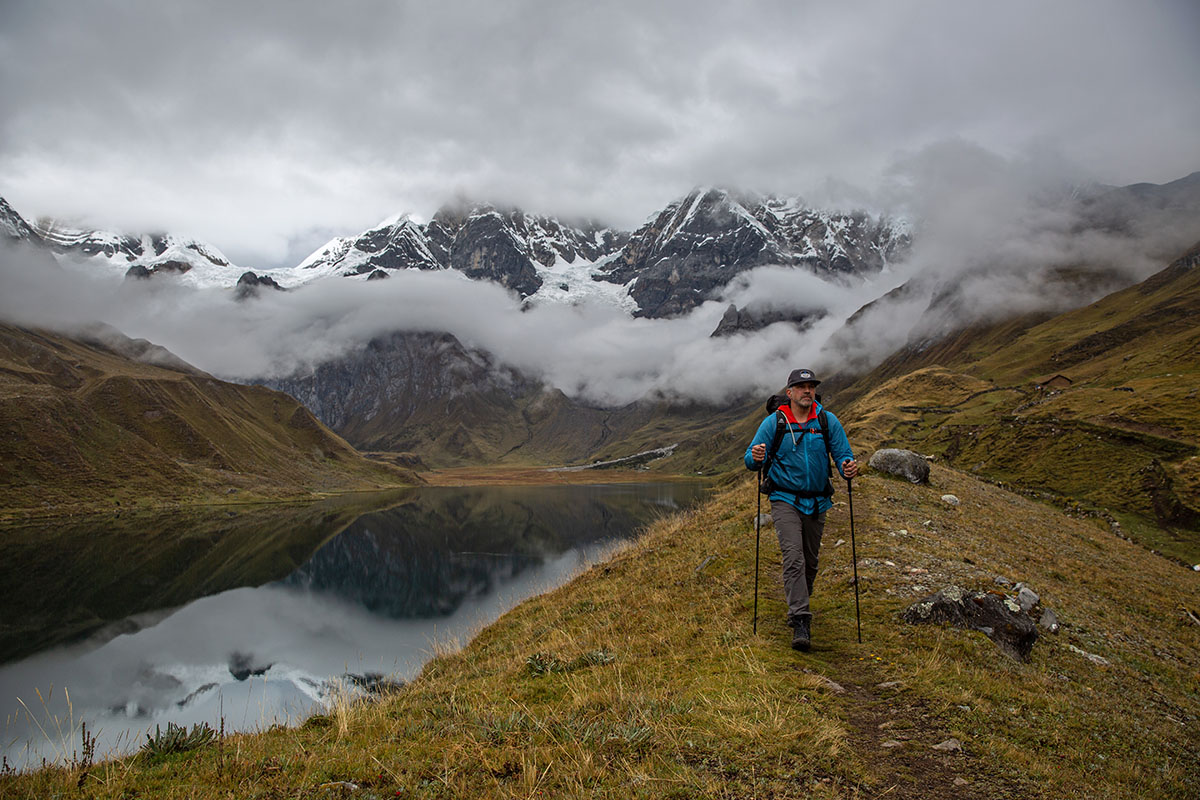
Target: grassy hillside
1098, 406
642, 678
85, 426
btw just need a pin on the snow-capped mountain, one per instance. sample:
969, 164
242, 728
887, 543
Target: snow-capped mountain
14, 226
535, 256
670, 265
701, 242
196, 262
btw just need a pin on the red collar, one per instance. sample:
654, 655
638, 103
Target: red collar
786, 408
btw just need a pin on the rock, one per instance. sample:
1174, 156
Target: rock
1092, 657
832, 685
1196, 568
737, 320
961, 781
839, 543
888, 685
949, 746
1049, 621
249, 284
763, 520
996, 616
1027, 598
890, 744
901, 463
950, 499
1002, 581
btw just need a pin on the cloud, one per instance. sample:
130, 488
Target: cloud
597, 353
251, 125
998, 237
995, 236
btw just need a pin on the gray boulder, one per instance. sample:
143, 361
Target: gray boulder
901, 463
1027, 598
997, 616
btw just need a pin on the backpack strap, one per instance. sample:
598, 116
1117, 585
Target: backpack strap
823, 421
781, 424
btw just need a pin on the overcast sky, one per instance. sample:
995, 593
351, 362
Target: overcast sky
264, 128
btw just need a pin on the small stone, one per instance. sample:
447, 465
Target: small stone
832, 686
1095, 659
1049, 620
763, 520
890, 563
1027, 598
950, 499
1002, 581
949, 746
883, 726
891, 743
961, 781
839, 543
917, 571
887, 685
1196, 568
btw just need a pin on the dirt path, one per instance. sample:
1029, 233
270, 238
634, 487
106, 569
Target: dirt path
895, 738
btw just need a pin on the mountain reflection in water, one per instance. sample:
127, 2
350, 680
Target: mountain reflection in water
429, 554
250, 615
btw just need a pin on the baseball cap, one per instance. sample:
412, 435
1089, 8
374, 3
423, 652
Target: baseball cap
802, 376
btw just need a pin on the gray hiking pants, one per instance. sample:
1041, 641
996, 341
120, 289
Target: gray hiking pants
799, 542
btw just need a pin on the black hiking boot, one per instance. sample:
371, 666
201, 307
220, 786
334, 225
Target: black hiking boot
801, 638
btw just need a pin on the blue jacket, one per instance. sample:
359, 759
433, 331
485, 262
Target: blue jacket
800, 463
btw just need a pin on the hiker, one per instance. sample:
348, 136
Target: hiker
797, 480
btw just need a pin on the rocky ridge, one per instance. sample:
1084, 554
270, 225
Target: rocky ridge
701, 242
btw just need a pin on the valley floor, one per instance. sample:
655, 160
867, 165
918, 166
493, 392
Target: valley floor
643, 678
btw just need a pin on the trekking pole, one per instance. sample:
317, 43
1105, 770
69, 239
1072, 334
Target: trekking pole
853, 555
757, 530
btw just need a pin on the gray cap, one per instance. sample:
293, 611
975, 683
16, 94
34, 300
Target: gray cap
802, 376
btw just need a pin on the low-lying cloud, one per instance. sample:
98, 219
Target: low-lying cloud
993, 237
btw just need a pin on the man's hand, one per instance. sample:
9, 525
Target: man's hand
849, 468
758, 452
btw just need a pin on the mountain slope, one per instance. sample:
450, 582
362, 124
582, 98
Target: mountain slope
701, 242
427, 394
104, 421
1098, 405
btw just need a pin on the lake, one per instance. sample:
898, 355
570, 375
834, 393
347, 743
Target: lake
257, 615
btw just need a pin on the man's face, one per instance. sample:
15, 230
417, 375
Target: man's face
802, 394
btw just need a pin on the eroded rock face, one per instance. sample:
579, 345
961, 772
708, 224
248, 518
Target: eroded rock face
746, 320
997, 616
902, 463
250, 282
704, 240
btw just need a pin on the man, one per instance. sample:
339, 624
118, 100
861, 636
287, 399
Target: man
799, 472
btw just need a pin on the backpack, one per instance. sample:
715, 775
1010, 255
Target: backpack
767, 486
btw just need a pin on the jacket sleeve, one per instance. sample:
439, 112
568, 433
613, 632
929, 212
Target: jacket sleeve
764, 434
839, 445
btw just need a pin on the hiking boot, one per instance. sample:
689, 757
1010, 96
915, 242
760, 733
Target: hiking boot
801, 639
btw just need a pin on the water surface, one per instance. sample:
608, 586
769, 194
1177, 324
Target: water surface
257, 615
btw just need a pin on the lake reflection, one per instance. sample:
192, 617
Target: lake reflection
251, 615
